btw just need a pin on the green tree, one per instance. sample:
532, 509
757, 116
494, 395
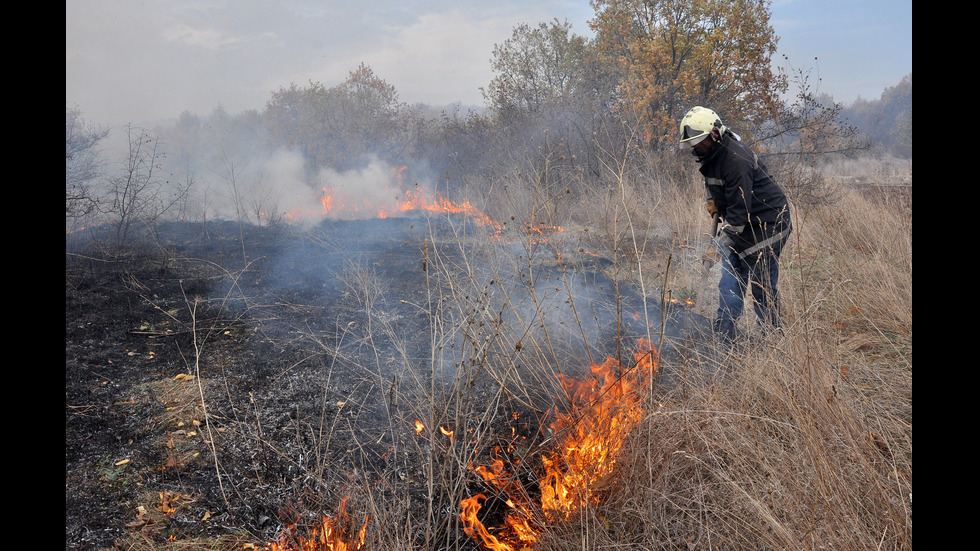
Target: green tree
897, 104
335, 127
551, 95
536, 66
903, 130
674, 54
887, 121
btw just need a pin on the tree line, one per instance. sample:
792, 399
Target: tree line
886, 121
560, 106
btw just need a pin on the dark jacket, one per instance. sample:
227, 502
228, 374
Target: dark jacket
752, 205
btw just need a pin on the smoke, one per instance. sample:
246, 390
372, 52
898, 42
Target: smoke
278, 189
285, 170
369, 191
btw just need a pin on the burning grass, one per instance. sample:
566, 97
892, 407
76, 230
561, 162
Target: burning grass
434, 392
587, 440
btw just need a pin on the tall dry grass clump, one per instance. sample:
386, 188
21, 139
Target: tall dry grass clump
800, 442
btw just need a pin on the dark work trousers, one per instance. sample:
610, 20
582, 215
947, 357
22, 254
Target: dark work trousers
758, 272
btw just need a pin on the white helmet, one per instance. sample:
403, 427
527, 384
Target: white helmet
697, 125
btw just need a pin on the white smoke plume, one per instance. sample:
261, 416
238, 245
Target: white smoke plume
277, 189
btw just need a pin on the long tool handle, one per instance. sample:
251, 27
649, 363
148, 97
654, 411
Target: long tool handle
706, 266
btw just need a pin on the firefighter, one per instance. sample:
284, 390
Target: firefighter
754, 215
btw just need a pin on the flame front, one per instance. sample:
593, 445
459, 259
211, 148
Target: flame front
603, 411
344, 202
333, 534
417, 201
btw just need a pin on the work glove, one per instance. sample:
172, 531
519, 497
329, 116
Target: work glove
719, 248
723, 242
712, 209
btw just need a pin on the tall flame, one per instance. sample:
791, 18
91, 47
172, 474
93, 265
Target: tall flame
604, 409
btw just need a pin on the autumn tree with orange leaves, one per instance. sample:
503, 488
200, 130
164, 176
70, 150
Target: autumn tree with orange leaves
675, 54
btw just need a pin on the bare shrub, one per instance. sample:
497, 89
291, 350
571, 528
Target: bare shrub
137, 197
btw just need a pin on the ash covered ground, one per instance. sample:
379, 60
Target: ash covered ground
231, 381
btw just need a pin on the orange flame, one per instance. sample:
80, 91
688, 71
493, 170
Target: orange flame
417, 201
333, 534
337, 204
604, 410
419, 427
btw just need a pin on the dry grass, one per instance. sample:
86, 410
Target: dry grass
805, 442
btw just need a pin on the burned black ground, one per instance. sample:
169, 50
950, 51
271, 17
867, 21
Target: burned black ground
270, 326
137, 317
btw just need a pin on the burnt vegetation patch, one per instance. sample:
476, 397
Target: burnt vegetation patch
202, 377
243, 382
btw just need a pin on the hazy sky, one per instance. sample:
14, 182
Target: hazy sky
143, 61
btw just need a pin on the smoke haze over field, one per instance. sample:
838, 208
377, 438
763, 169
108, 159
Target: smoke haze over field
140, 62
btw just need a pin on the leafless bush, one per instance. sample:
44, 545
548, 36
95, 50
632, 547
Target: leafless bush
82, 164
800, 135
137, 196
